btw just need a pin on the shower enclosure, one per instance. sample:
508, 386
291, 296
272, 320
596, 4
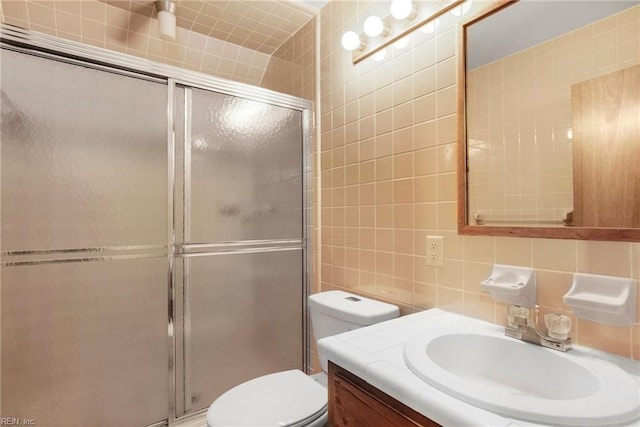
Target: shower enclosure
154, 235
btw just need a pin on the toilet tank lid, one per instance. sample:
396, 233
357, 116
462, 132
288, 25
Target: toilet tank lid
352, 308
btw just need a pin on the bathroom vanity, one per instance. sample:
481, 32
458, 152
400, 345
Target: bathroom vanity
354, 402
376, 377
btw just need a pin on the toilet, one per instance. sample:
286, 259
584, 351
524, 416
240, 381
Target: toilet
292, 398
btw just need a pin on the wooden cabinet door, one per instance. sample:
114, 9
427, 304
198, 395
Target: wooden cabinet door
355, 403
606, 150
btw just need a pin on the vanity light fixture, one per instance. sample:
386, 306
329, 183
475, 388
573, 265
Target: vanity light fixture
166, 19
461, 9
375, 26
403, 9
402, 43
570, 134
394, 29
352, 41
430, 27
380, 55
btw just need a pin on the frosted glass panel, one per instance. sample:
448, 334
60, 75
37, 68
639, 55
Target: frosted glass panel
246, 170
85, 344
83, 156
245, 320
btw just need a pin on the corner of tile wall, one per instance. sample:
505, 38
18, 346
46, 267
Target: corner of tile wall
291, 68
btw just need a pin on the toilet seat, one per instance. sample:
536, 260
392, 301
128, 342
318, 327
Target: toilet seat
284, 399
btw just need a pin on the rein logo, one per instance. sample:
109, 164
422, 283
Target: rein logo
6, 421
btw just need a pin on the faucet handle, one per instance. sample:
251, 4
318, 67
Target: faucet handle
521, 320
558, 326
518, 316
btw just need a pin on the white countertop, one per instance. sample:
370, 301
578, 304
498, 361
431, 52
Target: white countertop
375, 354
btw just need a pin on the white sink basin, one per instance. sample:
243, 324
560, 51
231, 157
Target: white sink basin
522, 380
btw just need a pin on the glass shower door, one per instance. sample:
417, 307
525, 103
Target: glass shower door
142, 276
84, 273
241, 252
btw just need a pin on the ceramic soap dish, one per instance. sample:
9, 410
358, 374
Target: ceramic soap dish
603, 299
512, 285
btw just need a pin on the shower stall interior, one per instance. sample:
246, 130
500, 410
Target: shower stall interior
154, 236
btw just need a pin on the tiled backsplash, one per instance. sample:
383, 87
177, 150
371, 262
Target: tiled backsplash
388, 172
519, 118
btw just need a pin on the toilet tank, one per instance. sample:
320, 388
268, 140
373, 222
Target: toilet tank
334, 312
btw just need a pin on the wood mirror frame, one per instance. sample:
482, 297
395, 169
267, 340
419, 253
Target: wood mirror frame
464, 228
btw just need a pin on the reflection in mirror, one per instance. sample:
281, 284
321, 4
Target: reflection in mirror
553, 116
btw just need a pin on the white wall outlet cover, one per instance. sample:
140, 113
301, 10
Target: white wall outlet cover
435, 251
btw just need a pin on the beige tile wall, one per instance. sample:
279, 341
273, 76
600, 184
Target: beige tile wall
388, 179
98, 24
291, 69
259, 25
519, 118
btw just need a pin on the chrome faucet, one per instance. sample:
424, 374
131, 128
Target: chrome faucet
520, 326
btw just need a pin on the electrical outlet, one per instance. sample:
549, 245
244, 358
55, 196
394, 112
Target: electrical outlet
435, 248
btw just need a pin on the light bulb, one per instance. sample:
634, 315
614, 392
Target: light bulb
374, 26
380, 55
351, 41
403, 9
166, 25
461, 9
430, 27
402, 43
166, 19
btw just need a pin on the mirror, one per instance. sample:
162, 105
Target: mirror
549, 120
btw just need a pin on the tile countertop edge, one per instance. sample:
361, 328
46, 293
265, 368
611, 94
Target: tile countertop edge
401, 384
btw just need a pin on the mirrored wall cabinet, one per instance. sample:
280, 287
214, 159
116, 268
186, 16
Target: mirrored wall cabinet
549, 120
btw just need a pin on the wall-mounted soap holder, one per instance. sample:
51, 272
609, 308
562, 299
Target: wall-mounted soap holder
512, 285
603, 299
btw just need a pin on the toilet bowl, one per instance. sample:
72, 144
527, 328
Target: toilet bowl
292, 398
